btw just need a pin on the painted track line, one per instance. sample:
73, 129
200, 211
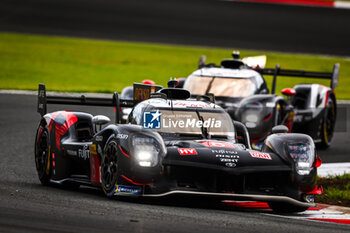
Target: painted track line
322, 212
333, 169
309, 3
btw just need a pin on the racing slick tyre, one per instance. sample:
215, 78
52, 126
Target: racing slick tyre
280, 207
42, 154
328, 124
109, 168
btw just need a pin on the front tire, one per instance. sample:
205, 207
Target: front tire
109, 168
42, 155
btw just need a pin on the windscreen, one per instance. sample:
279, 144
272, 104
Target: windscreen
219, 86
190, 122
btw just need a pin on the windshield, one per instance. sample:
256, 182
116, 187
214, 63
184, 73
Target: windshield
191, 122
219, 86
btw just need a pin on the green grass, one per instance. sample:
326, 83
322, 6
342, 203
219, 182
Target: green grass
84, 65
336, 190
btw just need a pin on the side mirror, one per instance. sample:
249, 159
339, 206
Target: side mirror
100, 120
288, 92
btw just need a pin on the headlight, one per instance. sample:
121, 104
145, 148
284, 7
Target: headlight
146, 151
252, 118
303, 156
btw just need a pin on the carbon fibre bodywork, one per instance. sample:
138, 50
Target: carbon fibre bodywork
220, 167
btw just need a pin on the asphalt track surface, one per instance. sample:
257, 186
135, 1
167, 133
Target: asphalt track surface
187, 22
27, 206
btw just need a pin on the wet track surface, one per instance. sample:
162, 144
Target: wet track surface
189, 22
26, 206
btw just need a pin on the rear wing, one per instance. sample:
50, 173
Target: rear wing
277, 71
141, 92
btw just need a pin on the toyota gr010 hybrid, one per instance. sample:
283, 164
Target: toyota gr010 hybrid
240, 88
173, 145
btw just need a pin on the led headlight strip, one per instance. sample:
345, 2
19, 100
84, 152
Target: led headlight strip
146, 150
303, 155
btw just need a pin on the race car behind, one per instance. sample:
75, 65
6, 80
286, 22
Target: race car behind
242, 91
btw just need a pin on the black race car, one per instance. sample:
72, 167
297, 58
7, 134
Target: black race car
173, 145
239, 87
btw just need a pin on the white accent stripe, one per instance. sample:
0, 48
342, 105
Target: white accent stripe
340, 4
333, 169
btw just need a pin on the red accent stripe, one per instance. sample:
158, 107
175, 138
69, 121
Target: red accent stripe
341, 221
258, 205
123, 152
318, 190
319, 207
268, 117
295, 2
131, 181
327, 96
317, 162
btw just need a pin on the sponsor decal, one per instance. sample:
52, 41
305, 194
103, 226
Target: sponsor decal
187, 151
217, 144
123, 189
122, 136
152, 120
224, 152
143, 92
155, 120
230, 164
95, 169
260, 155
192, 104
233, 158
84, 153
229, 157
224, 160
192, 123
72, 152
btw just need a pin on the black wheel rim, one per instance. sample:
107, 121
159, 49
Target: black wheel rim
41, 155
109, 166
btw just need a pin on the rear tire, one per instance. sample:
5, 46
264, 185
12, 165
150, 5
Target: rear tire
42, 155
280, 207
109, 168
328, 124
